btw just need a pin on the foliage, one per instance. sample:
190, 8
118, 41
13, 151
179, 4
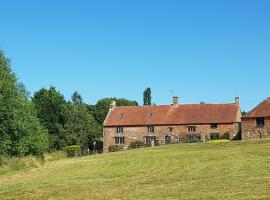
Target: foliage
147, 97
20, 131
81, 127
76, 98
73, 151
191, 138
218, 141
136, 145
51, 110
115, 148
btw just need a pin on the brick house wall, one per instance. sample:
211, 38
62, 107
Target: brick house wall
251, 131
138, 133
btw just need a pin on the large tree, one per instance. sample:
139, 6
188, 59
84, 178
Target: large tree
52, 108
147, 97
81, 127
20, 131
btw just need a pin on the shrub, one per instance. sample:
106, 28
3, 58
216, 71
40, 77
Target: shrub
73, 151
115, 148
136, 145
190, 138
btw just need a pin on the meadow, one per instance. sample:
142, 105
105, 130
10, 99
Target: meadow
233, 170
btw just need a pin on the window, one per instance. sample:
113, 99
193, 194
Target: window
214, 136
260, 121
171, 129
150, 114
150, 129
121, 115
214, 126
119, 140
119, 129
191, 129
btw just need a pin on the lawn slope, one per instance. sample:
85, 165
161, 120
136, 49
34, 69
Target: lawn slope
236, 170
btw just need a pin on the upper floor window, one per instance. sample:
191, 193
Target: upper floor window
150, 129
260, 121
119, 129
191, 129
119, 140
214, 126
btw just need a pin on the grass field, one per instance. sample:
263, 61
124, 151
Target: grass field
235, 170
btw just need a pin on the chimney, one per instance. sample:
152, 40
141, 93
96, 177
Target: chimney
175, 102
237, 100
112, 104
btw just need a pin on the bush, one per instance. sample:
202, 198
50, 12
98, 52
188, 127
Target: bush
115, 148
136, 145
73, 151
191, 139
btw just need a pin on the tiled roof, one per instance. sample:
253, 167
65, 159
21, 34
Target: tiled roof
169, 115
262, 110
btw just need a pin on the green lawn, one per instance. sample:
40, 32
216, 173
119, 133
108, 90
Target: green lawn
234, 170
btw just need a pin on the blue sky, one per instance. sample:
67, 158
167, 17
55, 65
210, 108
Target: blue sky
205, 50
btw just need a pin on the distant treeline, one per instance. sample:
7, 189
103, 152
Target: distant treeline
46, 121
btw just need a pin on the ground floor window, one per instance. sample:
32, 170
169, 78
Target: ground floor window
191, 129
214, 136
119, 140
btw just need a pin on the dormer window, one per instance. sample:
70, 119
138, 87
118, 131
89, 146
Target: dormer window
121, 115
150, 115
120, 129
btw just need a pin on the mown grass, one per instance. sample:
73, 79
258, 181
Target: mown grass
235, 170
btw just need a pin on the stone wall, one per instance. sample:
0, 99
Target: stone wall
138, 133
251, 131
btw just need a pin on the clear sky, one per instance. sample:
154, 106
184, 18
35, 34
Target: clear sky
204, 50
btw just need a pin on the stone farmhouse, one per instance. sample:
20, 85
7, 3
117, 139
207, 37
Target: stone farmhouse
256, 124
166, 124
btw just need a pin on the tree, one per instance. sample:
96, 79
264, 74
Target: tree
147, 97
77, 98
81, 127
51, 109
20, 131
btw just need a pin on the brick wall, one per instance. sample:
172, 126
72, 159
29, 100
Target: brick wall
138, 133
251, 131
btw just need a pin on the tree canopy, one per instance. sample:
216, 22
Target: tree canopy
20, 131
147, 97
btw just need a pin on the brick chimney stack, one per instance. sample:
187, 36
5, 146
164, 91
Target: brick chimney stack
237, 100
175, 102
112, 104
